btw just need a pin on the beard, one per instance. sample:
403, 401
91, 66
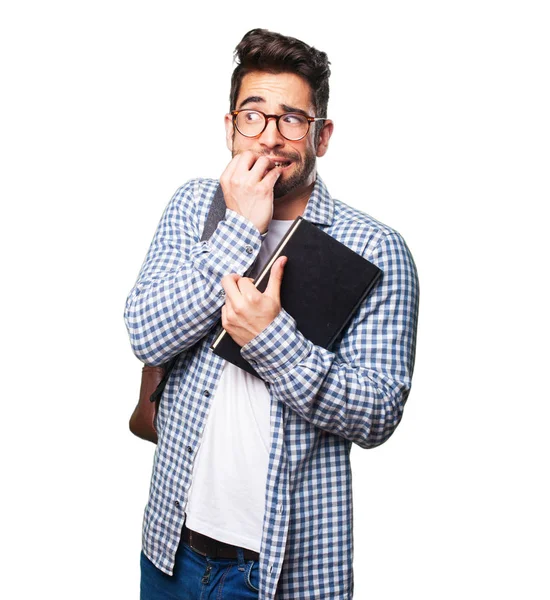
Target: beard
302, 171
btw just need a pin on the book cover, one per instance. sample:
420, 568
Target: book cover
324, 283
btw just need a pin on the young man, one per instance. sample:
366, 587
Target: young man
251, 489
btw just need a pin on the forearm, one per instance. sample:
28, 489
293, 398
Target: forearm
358, 403
178, 295
359, 389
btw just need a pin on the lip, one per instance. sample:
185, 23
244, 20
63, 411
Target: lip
280, 159
275, 159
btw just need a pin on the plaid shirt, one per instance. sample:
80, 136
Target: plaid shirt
321, 401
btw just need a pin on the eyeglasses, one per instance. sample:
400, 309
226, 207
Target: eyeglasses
292, 126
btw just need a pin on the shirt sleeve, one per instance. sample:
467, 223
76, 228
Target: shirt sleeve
357, 390
178, 294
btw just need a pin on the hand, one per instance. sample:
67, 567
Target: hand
247, 185
247, 312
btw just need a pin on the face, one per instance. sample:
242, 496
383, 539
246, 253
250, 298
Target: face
278, 93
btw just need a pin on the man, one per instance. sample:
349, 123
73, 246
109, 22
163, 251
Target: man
251, 489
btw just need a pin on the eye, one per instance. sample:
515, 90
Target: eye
294, 119
251, 116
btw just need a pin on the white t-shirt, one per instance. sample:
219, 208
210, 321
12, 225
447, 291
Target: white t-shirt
227, 494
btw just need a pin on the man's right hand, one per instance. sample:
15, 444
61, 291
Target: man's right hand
247, 185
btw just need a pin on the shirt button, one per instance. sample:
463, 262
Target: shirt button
270, 569
207, 393
176, 503
221, 292
189, 449
280, 509
249, 249
253, 362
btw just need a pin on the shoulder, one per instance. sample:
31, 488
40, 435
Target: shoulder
198, 191
191, 201
386, 248
361, 232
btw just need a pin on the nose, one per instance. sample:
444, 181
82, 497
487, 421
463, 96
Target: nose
271, 136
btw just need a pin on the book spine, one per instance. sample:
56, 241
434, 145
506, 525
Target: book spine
276, 253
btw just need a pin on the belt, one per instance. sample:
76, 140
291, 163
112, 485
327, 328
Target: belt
212, 548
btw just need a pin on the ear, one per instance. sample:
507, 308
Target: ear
324, 137
229, 131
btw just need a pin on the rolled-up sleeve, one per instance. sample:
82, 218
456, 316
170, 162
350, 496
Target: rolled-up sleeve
358, 389
178, 294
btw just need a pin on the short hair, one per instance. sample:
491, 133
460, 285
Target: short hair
263, 50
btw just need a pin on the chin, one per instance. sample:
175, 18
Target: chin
282, 188
301, 178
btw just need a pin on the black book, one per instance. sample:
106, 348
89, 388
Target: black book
324, 283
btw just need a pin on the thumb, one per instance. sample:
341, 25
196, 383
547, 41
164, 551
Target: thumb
273, 289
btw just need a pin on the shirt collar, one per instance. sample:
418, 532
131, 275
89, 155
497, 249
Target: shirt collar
320, 206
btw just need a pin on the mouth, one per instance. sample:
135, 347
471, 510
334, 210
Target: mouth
278, 164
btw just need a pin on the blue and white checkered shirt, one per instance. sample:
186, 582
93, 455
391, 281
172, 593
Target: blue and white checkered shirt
321, 401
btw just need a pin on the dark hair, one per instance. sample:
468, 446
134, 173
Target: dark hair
263, 50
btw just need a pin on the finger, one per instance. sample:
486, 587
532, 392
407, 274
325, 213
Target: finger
245, 160
245, 281
273, 289
261, 166
229, 284
229, 315
230, 169
266, 171
248, 289
241, 161
271, 177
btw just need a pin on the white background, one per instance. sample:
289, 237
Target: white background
441, 130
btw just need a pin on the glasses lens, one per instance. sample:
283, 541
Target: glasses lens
293, 126
250, 122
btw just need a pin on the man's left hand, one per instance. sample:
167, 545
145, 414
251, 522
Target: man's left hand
247, 311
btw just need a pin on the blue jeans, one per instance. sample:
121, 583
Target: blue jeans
199, 577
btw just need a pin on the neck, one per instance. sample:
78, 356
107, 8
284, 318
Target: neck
293, 204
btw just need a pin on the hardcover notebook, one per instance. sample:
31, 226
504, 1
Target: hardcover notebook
324, 283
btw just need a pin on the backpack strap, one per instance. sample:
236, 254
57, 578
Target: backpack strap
215, 214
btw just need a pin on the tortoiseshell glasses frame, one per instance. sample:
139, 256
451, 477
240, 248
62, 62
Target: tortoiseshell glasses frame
301, 121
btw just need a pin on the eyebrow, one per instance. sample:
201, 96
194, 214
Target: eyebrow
250, 99
293, 109
285, 107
